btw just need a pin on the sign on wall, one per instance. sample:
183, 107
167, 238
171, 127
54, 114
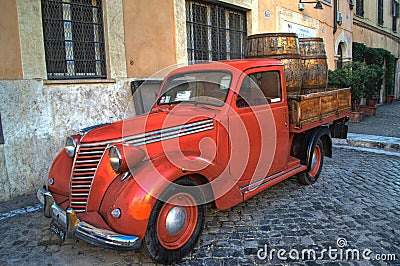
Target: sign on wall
301, 31
328, 2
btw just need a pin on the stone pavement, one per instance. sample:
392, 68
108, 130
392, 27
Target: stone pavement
377, 132
355, 202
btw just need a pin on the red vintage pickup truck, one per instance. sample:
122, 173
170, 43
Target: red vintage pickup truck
220, 133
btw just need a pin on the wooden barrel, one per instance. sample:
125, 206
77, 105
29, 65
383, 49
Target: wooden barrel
314, 65
283, 46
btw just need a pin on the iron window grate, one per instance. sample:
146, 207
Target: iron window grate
380, 12
74, 39
214, 32
360, 8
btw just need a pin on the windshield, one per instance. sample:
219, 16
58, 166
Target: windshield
207, 87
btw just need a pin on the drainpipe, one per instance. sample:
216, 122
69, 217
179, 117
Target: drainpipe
335, 10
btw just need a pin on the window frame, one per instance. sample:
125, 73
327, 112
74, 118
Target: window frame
380, 13
222, 24
395, 15
267, 100
74, 43
360, 8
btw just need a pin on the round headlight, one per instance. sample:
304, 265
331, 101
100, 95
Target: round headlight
70, 147
115, 158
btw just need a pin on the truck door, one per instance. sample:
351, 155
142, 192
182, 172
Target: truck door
258, 126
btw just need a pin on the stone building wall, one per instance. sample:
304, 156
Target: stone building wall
36, 119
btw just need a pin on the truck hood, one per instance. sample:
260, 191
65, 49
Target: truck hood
156, 120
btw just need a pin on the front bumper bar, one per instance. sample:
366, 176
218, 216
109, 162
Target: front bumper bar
83, 230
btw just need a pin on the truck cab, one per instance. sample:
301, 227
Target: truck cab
219, 132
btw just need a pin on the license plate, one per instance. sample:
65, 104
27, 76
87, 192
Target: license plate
57, 229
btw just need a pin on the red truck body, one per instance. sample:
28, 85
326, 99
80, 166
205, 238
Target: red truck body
109, 186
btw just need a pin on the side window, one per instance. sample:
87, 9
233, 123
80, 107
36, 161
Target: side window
260, 88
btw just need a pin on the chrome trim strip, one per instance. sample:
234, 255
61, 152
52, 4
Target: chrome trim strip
170, 135
83, 230
90, 152
78, 203
88, 177
82, 178
85, 170
80, 194
162, 134
129, 138
266, 180
81, 186
97, 168
87, 161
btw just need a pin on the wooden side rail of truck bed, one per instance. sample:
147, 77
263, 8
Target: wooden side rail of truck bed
310, 110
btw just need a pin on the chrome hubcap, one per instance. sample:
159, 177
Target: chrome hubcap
313, 161
176, 219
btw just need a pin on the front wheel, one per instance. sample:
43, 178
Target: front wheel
313, 171
176, 222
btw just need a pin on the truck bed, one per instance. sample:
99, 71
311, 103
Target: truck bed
310, 110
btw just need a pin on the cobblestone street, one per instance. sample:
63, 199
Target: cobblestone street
356, 198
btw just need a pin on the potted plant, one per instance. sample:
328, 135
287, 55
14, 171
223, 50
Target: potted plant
389, 78
373, 79
350, 76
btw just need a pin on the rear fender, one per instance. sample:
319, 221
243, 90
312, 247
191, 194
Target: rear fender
303, 144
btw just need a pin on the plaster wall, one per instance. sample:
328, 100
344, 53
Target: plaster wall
31, 39
375, 39
4, 187
11, 65
150, 43
36, 119
275, 16
115, 40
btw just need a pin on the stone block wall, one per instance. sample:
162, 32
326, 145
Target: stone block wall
36, 119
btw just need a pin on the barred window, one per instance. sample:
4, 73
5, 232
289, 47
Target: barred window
395, 14
380, 12
214, 32
360, 8
74, 39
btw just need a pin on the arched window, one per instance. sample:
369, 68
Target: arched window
339, 63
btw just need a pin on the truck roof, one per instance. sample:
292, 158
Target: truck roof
239, 64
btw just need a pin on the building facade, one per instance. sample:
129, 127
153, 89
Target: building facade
376, 24
69, 64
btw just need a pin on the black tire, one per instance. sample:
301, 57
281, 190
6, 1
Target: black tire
159, 243
314, 167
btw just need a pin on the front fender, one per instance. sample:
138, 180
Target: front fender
60, 171
137, 195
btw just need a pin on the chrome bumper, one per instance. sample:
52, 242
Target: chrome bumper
83, 230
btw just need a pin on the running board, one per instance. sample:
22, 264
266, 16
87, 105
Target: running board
259, 185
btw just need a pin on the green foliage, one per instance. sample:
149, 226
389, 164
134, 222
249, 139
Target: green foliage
373, 75
375, 56
358, 51
382, 59
350, 76
389, 73
364, 80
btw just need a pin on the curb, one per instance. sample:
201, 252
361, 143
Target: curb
370, 141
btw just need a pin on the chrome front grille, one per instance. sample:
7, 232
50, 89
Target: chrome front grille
86, 162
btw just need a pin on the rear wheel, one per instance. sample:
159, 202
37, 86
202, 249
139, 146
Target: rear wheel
316, 161
176, 222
